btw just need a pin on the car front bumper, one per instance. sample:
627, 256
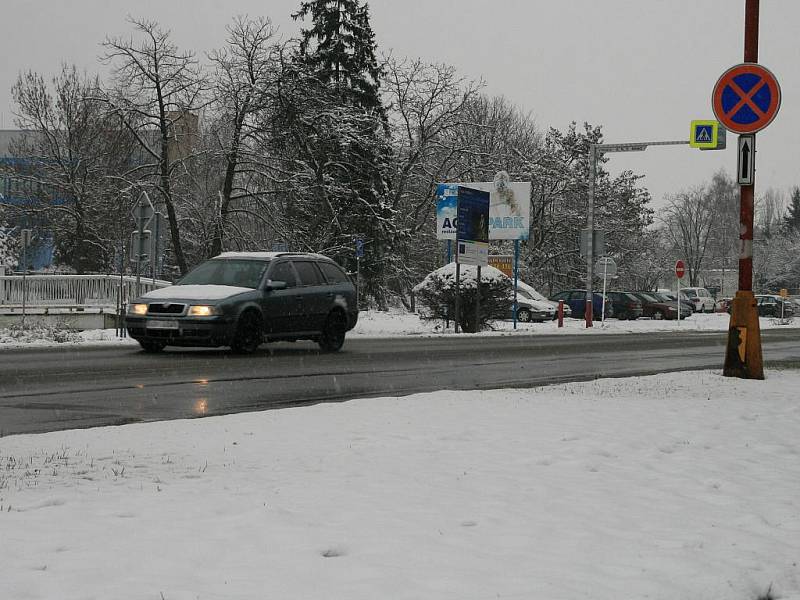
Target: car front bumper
181, 331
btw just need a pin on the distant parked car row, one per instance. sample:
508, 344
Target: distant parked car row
625, 305
771, 305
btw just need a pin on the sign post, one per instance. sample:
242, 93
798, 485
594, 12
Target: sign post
680, 271
359, 251
472, 240
141, 245
608, 267
26, 241
746, 98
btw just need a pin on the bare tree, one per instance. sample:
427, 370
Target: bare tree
426, 103
244, 73
157, 92
689, 219
71, 158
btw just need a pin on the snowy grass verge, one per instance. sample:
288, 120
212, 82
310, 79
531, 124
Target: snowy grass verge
668, 486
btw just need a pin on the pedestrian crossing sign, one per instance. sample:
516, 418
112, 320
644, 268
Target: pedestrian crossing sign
704, 135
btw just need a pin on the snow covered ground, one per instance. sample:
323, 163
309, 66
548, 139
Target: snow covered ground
674, 486
401, 323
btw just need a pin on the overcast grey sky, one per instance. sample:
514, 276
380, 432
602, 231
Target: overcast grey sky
641, 68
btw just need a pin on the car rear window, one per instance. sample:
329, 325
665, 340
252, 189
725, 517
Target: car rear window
332, 273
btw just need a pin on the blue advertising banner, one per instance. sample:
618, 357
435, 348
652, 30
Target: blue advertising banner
473, 215
472, 230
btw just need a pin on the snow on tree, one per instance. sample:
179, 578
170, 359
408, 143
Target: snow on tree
339, 47
70, 161
8, 247
157, 89
792, 219
338, 129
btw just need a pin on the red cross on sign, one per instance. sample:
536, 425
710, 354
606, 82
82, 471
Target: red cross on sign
746, 98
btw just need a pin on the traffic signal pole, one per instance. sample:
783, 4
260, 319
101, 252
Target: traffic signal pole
743, 353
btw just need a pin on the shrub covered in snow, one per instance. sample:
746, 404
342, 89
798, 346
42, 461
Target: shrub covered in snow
60, 333
437, 295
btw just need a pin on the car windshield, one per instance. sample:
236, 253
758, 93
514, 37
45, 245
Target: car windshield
648, 298
524, 294
662, 297
238, 273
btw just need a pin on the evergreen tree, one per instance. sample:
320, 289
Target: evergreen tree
341, 110
340, 47
792, 219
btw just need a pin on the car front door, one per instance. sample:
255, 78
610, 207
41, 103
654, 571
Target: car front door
577, 302
282, 308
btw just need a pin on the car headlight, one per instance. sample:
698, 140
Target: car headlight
138, 309
202, 310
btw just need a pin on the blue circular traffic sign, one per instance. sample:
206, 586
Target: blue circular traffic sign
746, 98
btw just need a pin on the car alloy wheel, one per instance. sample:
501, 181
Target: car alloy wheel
658, 315
333, 333
249, 333
524, 315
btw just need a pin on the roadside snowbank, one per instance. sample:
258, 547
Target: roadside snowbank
398, 323
669, 486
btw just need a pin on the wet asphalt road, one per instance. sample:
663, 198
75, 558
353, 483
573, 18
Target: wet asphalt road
65, 388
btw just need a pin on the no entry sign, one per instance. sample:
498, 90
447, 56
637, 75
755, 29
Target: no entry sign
746, 98
680, 269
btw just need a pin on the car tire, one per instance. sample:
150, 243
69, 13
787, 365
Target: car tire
658, 315
249, 333
152, 347
622, 316
523, 315
333, 332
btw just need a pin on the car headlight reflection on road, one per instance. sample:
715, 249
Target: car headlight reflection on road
138, 309
201, 310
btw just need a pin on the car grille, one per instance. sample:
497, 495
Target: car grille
165, 309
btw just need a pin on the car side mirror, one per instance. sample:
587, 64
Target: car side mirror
275, 285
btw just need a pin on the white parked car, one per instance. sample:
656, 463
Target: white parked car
529, 309
700, 298
527, 291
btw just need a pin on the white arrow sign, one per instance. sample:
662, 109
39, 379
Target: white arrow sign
746, 164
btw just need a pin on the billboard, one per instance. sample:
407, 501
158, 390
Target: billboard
509, 209
472, 235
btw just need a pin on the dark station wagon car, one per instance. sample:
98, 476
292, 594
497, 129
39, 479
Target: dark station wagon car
242, 299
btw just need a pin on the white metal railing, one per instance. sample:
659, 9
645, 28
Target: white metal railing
73, 290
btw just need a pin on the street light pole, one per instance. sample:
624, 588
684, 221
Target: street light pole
589, 308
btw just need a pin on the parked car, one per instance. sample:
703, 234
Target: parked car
724, 304
576, 299
656, 308
686, 304
701, 299
531, 310
769, 305
626, 306
241, 299
535, 295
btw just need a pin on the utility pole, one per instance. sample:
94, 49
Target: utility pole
589, 308
743, 353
